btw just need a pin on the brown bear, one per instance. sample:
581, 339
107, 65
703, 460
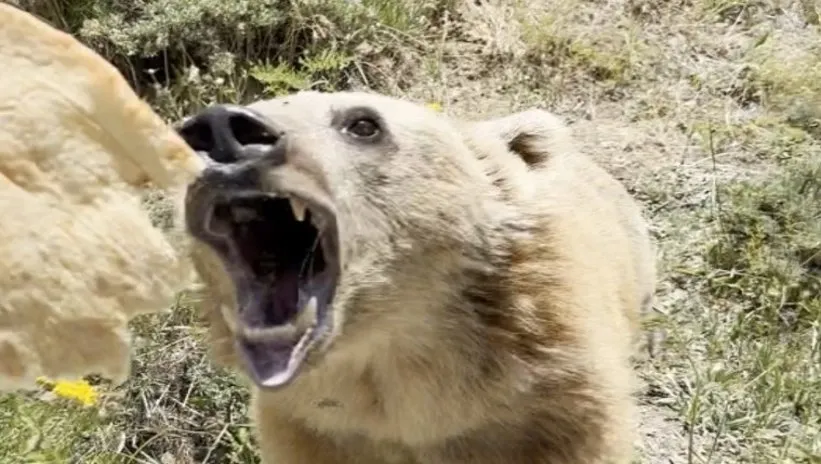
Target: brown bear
400, 286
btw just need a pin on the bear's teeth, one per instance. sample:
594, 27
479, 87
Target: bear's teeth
298, 207
307, 317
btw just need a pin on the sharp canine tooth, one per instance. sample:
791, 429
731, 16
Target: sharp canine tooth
307, 316
299, 208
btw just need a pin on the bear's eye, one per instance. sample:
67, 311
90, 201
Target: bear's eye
364, 128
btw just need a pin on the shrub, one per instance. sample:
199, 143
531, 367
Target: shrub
183, 54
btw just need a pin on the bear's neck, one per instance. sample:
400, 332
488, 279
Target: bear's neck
453, 317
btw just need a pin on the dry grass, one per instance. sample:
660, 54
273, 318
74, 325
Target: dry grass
708, 110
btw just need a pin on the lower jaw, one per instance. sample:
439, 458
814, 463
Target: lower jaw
292, 361
253, 350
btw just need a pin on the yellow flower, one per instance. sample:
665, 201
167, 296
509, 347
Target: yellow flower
77, 390
435, 106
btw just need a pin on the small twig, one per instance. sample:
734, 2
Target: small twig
715, 205
214, 445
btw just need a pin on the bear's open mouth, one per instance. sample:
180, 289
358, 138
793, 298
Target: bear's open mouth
282, 252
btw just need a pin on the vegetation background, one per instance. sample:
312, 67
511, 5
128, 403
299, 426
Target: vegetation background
708, 110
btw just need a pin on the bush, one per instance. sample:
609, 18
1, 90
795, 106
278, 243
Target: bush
183, 54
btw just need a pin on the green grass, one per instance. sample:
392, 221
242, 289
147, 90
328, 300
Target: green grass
762, 273
33, 429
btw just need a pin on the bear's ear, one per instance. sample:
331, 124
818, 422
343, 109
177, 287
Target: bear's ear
534, 135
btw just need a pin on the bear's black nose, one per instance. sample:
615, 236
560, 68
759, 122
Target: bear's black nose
229, 133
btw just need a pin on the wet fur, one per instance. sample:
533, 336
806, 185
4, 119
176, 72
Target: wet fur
489, 312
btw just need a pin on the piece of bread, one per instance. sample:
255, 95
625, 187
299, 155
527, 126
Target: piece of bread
79, 256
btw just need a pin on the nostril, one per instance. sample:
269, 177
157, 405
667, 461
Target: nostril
250, 131
229, 134
198, 135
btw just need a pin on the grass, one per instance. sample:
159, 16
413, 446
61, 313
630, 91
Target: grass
708, 110
36, 429
761, 275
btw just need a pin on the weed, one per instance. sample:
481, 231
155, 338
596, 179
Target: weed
762, 269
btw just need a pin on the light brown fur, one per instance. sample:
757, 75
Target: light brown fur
492, 291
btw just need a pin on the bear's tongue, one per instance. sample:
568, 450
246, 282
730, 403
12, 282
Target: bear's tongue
265, 305
273, 361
